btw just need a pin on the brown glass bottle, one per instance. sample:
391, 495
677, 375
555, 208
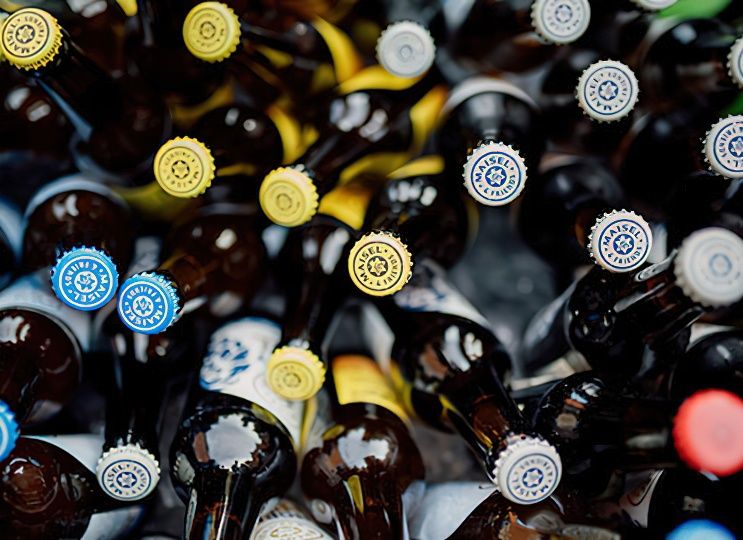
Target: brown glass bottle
357, 473
213, 257
234, 448
119, 123
10, 241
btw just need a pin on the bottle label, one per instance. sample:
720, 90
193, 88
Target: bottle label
11, 226
73, 182
636, 503
429, 291
286, 522
34, 292
358, 379
235, 363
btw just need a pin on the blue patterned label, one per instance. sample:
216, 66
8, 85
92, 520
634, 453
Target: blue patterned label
146, 304
85, 279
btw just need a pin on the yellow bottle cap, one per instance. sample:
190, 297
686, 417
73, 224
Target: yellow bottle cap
211, 31
295, 373
379, 264
30, 38
288, 197
184, 167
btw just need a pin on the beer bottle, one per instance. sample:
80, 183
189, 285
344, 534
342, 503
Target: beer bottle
575, 198
609, 318
213, 257
84, 231
314, 257
49, 491
491, 127
40, 356
723, 147
234, 449
288, 520
451, 364
232, 141
10, 241
526, 35
414, 214
118, 123
362, 472
375, 123
299, 56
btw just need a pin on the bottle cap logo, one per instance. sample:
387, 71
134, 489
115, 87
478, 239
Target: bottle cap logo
288, 197
211, 31
620, 241
405, 49
654, 5
30, 38
723, 147
709, 267
494, 174
560, 21
528, 470
148, 303
85, 278
184, 167
607, 91
379, 264
295, 373
8, 430
128, 473
735, 62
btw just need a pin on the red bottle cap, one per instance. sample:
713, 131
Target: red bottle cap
708, 432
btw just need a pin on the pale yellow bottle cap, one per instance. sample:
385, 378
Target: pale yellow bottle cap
30, 38
184, 167
211, 31
288, 197
295, 373
379, 264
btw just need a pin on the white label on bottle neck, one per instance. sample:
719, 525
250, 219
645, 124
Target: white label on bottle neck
11, 226
34, 293
284, 521
445, 507
235, 364
73, 182
636, 502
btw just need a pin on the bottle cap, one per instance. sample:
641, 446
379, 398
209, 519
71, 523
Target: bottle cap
709, 267
620, 241
184, 167
735, 62
560, 21
128, 473
379, 264
494, 174
288, 197
607, 91
654, 5
211, 31
405, 49
528, 470
723, 147
295, 373
30, 38
8, 430
148, 303
85, 278
708, 432
700, 529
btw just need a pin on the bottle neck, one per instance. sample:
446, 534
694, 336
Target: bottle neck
188, 274
156, 18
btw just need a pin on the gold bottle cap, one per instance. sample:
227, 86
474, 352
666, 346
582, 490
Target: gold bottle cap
288, 197
379, 264
295, 373
30, 38
211, 31
184, 167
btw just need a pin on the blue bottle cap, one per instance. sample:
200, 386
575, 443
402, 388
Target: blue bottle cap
148, 303
8, 430
700, 529
85, 278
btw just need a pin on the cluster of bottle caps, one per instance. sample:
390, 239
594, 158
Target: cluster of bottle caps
225, 235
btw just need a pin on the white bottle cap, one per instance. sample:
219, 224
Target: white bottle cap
654, 5
723, 147
709, 267
560, 21
405, 49
620, 241
735, 62
494, 174
128, 473
528, 470
607, 91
